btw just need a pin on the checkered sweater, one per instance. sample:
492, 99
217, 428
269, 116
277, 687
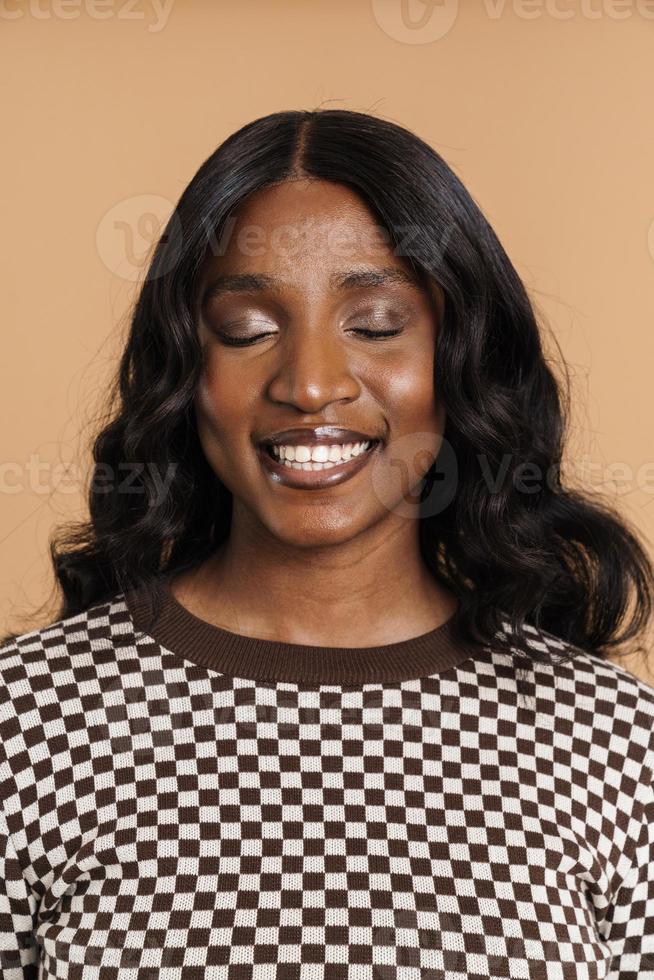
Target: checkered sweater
187, 802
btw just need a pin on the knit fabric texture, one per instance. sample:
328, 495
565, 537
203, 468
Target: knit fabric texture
192, 803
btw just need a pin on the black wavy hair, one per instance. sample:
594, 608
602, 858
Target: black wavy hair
554, 559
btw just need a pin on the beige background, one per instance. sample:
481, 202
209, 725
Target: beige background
542, 108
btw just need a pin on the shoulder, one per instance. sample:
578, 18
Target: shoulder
102, 621
55, 683
42, 663
603, 710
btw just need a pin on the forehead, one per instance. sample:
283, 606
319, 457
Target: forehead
303, 227
325, 202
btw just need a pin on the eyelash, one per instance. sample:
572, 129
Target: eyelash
242, 342
378, 333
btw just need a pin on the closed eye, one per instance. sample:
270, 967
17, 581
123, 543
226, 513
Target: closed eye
377, 333
237, 341
248, 341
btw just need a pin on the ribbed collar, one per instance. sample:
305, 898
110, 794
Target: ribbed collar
184, 634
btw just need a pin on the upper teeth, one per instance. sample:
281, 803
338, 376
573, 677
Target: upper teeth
320, 454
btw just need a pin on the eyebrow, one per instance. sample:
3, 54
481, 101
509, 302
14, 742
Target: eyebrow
340, 281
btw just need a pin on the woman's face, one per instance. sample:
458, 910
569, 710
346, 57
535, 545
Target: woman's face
304, 269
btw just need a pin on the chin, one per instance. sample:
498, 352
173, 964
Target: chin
309, 529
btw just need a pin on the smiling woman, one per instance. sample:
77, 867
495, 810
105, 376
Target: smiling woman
326, 353
338, 704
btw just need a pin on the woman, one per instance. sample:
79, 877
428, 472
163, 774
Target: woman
329, 694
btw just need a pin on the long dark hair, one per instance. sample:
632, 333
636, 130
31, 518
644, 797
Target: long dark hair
553, 559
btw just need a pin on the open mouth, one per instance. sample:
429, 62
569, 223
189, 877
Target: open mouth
316, 474
371, 444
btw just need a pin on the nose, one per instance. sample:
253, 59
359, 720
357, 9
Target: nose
314, 369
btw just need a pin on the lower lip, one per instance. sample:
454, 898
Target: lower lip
315, 479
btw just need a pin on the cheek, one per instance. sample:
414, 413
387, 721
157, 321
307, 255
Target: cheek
203, 398
417, 423
208, 410
220, 408
407, 391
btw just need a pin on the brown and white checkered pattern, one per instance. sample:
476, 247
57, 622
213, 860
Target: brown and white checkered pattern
160, 819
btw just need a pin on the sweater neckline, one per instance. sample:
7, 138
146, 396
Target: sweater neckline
184, 634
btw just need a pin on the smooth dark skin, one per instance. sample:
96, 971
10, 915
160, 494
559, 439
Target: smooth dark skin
333, 567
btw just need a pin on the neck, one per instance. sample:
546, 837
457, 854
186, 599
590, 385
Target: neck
372, 590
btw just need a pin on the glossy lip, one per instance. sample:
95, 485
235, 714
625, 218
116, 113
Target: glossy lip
314, 479
316, 435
